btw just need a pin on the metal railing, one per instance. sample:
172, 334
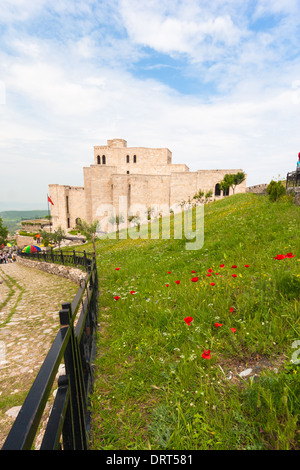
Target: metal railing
67, 258
68, 423
293, 179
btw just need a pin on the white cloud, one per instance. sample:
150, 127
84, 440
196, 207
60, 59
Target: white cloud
184, 30
66, 92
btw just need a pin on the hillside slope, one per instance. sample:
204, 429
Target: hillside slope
171, 353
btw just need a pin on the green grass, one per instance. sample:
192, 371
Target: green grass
153, 388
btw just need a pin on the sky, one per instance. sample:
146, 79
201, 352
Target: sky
215, 81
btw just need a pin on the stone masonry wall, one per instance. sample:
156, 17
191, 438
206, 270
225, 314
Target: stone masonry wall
73, 274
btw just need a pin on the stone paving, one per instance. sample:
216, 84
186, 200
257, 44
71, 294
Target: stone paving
30, 300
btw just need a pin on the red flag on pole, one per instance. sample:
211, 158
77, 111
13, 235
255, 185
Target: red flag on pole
50, 201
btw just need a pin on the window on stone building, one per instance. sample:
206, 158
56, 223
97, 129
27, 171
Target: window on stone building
134, 158
127, 158
127, 172
67, 204
98, 159
68, 222
217, 190
103, 160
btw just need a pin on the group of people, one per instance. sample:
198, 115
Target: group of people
7, 257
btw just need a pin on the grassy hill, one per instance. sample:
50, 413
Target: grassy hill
166, 381
12, 219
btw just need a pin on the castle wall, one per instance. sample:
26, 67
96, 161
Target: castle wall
145, 158
151, 180
69, 204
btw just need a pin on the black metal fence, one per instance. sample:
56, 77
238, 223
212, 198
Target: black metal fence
68, 423
68, 258
293, 179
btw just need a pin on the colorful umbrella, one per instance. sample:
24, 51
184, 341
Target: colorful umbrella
31, 249
8, 244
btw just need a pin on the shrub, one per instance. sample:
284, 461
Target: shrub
276, 190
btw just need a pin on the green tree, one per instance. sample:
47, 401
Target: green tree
231, 180
3, 233
116, 219
198, 197
89, 231
58, 236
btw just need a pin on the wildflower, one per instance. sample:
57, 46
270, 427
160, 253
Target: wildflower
132, 292
222, 265
188, 320
231, 309
206, 354
169, 272
234, 266
194, 279
233, 330
167, 285
234, 275
117, 269
177, 282
212, 284
116, 297
193, 272
290, 255
210, 270
279, 257
218, 324
246, 265
208, 275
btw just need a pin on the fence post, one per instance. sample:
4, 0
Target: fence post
74, 371
62, 257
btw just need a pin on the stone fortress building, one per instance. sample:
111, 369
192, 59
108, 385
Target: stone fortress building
140, 175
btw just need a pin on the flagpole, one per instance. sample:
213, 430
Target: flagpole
49, 212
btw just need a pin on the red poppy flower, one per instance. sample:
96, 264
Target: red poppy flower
167, 285
210, 270
212, 284
222, 265
132, 292
290, 255
234, 275
206, 354
208, 275
279, 257
233, 330
188, 320
231, 310
234, 266
246, 265
218, 324
117, 269
169, 272
195, 279
193, 272
116, 297
217, 274
177, 282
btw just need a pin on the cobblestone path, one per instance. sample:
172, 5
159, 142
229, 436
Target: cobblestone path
29, 304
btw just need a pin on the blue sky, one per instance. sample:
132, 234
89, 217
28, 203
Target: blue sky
217, 82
